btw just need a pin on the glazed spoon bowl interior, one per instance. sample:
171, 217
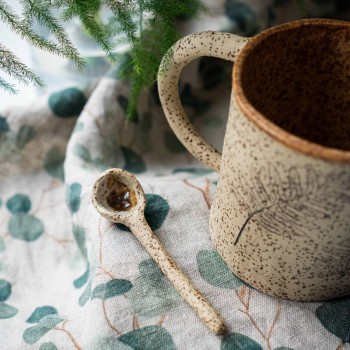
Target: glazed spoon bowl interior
118, 196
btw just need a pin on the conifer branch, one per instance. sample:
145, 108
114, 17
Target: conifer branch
12, 66
7, 86
23, 29
146, 25
40, 11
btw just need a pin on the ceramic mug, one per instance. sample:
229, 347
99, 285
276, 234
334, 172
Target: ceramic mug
281, 216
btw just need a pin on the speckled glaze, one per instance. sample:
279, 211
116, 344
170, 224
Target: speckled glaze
135, 220
281, 217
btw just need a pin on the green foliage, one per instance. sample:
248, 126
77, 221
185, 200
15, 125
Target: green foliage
41, 312
111, 289
67, 103
7, 311
215, 271
4, 126
156, 211
82, 280
48, 346
85, 296
147, 25
32, 334
53, 163
19, 203
335, 317
152, 295
25, 227
5, 290
80, 238
133, 162
148, 338
24, 135
73, 192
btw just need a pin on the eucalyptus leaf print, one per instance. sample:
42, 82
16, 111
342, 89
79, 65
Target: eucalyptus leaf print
156, 211
148, 338
41, 312
334, 315
6, 311
19, 203
85, 296
32, 334
53, 163
24, 135
13, 142
133, 162
110, 154
4, 126
83, 279
82, 152
152, 295
80, 238
215, 271
25, 227
48, 346
107, 343
5, 290
73, 193
111, 289
237, 341
67, 103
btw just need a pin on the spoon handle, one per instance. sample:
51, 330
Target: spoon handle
179, 280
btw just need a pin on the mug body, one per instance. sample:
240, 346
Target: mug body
281, 217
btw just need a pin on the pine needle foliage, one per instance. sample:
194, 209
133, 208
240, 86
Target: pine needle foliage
147, 26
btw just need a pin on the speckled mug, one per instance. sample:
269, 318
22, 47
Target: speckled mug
281, 217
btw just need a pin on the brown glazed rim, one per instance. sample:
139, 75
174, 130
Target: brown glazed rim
286, 138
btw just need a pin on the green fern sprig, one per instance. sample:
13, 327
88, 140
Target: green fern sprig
15, 68
147, 26
42, 13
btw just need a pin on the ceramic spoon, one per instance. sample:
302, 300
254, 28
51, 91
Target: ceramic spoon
118, 197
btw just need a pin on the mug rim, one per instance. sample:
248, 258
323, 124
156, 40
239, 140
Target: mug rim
258, 119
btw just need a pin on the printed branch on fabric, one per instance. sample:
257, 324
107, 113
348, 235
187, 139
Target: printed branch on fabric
244, 295
205, 191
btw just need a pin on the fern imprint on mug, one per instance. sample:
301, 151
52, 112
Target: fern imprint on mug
293, 202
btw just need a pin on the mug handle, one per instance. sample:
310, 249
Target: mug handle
213, 44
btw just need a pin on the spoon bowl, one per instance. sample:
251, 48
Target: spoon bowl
118, 196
